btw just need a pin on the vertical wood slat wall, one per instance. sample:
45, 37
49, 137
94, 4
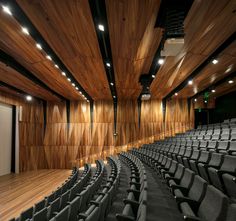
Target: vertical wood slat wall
63, 146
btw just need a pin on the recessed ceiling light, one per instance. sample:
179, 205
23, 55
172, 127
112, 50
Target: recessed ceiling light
73, 84
56, 66
205, 101
215, 61
63, 73
76, 88
231, 81
108, 64
161, 61
6, 9
114, 96
25, 30
49, 57
153, 76
28, 98
111, 84
176, 94
190, 82
195, 100
87, 100
80, 92
101, 27
213, 91
39, 46
69, 79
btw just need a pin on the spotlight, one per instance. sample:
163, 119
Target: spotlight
176, 94
153, 76
39, 46
6, 9
111, 84
49, 57
231, 81
195, 100
108, 64
76, 88
73, 84
213, 90
190, 82
25, 30
56, 66
101, 27
29, 98
69, 79
161, 61
215, 61
205, 101
63, 73
114, 96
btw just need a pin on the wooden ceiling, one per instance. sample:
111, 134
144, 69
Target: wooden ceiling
67, 26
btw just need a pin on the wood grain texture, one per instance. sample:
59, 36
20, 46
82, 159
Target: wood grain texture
22, 48
133, 41
207, 25
21, 191
68, 28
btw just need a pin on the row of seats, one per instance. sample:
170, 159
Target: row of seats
226, 123
136, 201
196, 199
101, 204
46, 202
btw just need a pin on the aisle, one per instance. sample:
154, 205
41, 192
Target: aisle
161, 205
118, 205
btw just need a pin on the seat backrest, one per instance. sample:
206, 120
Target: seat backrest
173, 166
63, 215
54, 207
180, 171
215, 137
142, 212
93, 216
64, 199
222, 145
41, 215
195, 154
39, 205
229, 163
216, 160
233, 137
204, 156
187, 178
212, 144
74, 208
214, 205
203, 144
231, 213
27, 214
198, 189
232, 146
188, 152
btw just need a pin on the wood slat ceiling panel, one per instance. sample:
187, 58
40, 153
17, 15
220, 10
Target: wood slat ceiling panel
133, 41
13, 78
68, 28
212, 73
207, 25
22, 47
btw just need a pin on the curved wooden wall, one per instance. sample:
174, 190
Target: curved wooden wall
88, 137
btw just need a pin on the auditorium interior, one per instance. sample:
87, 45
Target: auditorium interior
117, 110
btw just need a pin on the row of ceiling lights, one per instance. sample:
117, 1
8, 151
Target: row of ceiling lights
108, 64
214, 61
25, 30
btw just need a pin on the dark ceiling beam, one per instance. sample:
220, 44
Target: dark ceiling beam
98, 10
215, 85
199, 69
17, 90
24, 21
11, 62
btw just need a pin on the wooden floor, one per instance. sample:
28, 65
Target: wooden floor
21, 191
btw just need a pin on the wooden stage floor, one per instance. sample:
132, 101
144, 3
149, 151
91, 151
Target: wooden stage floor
21, 191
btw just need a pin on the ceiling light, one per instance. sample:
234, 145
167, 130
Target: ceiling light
195, 100
213, 91
214, 61
176, 94
76, 88
205, 101
63, 73
111, 84
69, 79
56, 66
231, 81
28, 98
228, 69
87, 100
114, 96
80, 92
49, 57
161, 61
73, 84
101, 27
190, 82
153, 76
39, 46
6, 9
25, 30
108, 64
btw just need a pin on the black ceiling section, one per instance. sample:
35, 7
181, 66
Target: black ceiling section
98, 10
11, 62
170, 18
17, 90
215, 85
198, 70
22, 18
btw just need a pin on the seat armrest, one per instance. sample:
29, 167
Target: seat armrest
82, 216
134, 204
94, 202
194, 204
192, 218
184, 190
121, 217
